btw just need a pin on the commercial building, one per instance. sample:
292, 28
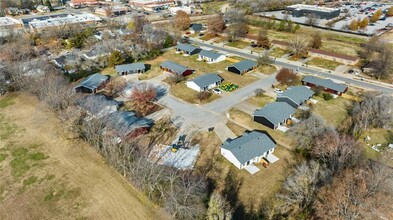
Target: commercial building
59, 20
151, 5
8, 22
300, 10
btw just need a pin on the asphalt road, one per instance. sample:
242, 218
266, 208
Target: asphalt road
302, 69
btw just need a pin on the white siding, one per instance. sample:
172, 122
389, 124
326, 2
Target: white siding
220, 58
229, 156
192, 85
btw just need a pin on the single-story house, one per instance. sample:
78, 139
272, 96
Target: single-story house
281, 44
124, 124
210, 56
274, 114
196, 28
187, 49
97, 106
295, 95
92, 83
205, 82
247, 149
337, 57
327, 84
131, 68
243, 67
175, 68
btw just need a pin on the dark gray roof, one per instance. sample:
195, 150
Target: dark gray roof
186, 47
244, 65
177, 68
123, 123
249, 145
196, 27
93, 81
130, 67
298, 94
97, 105
327, 83
275, 112
210, 54
207, 79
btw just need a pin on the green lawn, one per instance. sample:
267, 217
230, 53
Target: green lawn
238, 44
333, 111
278, 52
326, 64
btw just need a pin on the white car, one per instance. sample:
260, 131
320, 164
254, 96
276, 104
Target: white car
279, 91
217, 91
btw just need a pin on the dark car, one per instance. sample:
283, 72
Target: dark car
201, 34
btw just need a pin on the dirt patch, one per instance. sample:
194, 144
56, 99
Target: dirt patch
47, 176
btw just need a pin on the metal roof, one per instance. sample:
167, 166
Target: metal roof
177, 68
210, 54
249, 145
196, 27
123, 123
244, 65
327, 83
298, 94
93, 81
130, 67
275, 112
97, 105
207, 79
186, 47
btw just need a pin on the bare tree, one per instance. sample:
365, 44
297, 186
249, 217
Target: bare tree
299, 46
263, 39
316, 40
182, 20
236, 30
312, 20
286, 76
116, 85
216, 25
218, 208
235, 16
264, 59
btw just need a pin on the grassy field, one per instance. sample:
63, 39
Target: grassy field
267, 69
246, 120
235, 128
47, 175
238, 44
378, 136
212, 7
327, 64
109, 71
260, 101
278, 52
333, 111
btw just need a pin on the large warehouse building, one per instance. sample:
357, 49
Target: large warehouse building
305, 10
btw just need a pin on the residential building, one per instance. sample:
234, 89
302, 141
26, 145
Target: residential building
124, 124
174, 68
187, 49
98, 106
205, 82
327, 84
243, 67
210, 56
301, 10
131, 68
295, 95
274, 114
92, 83
248, 149
337, 57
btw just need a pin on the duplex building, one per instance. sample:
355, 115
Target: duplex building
295, 95
175, 68
92, 83
274, 114
131, 68
210, 56
97, 106
243, 67
125, 125
187, 49
205, 82
327, 84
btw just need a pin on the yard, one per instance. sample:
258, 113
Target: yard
109, 71
260, 101
212, 7
238, 44
334, 111
48, 174
326, 64
278, 52
267, 69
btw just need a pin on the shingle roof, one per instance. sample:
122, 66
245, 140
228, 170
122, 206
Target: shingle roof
177, 68
130, 67
93, 81
186, 47
196, 27
249, 145
123, 122
298, 94
210, 54
327, 83
98, 105
244, 65
207, 79
275, 112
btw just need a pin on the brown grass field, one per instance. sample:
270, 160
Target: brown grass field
45, 175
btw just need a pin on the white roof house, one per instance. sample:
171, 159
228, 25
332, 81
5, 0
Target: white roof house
210, 56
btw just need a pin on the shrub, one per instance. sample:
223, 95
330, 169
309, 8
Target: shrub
259, 92
327, 96
203, 95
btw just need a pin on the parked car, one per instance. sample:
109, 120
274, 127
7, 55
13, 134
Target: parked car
201, 34
217, 91
279, 91
351, 71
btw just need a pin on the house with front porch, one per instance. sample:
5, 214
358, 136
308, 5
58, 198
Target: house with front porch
252, 147
131, 68
274, 114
